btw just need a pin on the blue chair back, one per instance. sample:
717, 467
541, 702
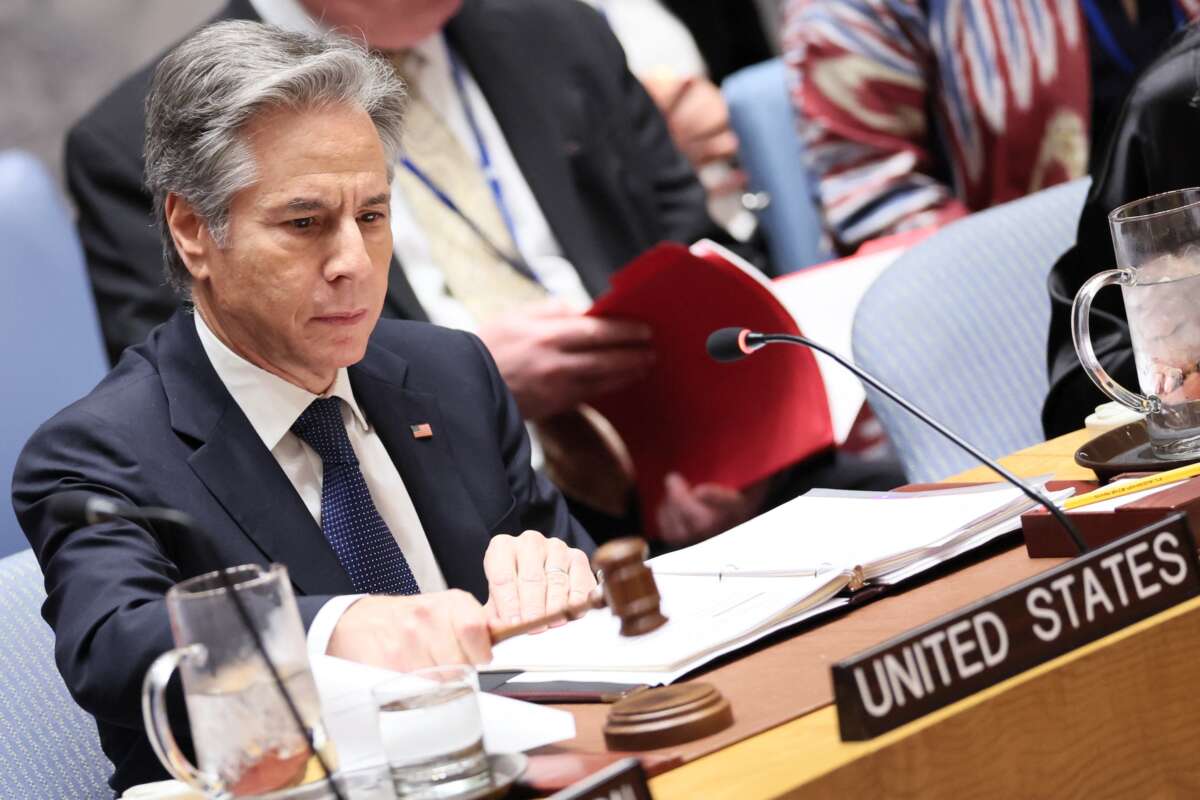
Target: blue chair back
958, 325
49, 335
770, 151
48, 745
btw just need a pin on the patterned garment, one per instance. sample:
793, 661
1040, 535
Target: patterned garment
914, 112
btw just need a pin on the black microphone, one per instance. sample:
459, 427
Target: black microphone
85, 508
730, 344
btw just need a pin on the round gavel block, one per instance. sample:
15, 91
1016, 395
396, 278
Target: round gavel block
665, 716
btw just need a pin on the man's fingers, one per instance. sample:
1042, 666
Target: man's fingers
627, 363
721, 147
471, 628
673, 524
500, 567
693, 514
589, 333
558, 576
443, 638
717, 496
668, 526
580, 578
531, 574
413, 647
492, 613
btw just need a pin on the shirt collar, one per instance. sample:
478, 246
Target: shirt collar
270, 403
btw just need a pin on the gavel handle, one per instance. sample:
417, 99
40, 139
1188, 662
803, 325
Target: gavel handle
594, 600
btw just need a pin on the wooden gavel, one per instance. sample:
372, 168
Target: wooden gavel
626, 586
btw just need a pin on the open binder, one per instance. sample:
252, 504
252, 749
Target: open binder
805, 558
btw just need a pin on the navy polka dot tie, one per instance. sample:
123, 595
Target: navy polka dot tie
359, 536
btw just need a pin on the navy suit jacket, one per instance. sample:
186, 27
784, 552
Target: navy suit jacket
162, 430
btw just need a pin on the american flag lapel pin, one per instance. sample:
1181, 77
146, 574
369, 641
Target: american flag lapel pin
421, 431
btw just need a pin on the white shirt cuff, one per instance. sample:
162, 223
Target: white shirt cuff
321, 629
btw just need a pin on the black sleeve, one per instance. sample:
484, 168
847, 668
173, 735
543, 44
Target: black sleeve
543, 507
1152, 150
120, 241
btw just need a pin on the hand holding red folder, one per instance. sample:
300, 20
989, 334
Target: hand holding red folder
730, 424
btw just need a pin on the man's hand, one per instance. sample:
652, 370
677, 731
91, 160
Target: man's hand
696, 115
553, 358
689, 514
529, 576
406, 633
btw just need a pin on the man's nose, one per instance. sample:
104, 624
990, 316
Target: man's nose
349, 256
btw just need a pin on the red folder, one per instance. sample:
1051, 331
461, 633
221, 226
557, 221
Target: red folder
733, 423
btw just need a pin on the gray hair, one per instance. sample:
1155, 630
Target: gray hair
206, 91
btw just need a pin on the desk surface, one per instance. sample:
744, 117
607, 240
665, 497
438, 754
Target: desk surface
789, 754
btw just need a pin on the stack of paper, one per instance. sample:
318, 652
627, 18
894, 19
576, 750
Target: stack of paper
788, 565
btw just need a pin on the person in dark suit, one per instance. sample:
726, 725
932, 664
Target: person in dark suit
582, 173
1150, 152
384, 463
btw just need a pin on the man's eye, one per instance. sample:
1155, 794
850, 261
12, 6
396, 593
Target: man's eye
371, 216
302, 222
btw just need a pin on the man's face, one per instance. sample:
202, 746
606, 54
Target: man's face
386, 24
301, 281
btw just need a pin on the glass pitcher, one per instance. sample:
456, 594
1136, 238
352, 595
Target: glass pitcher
1157, 244
246, 740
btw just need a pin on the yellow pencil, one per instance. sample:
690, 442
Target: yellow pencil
1141, 484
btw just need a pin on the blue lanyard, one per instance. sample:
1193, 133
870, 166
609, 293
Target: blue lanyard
514, 260
485, 159
1107, 40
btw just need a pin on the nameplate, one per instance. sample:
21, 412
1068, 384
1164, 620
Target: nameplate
1041, 618
624, 780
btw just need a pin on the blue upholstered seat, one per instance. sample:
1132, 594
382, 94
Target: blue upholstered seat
958, 326
48, 746
770, 151
49, 336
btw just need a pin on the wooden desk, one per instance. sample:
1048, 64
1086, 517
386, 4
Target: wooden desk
1109, 742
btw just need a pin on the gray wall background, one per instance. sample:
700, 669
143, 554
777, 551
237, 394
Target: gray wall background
59, 57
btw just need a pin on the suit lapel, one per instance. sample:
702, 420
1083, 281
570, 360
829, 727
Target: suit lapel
505, 69
450, 518
238, 470
401, 301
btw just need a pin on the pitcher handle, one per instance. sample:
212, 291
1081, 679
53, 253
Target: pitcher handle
1081, 333
158, 724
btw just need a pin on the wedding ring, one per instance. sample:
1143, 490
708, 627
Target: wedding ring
557, 569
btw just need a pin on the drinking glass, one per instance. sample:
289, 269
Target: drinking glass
1157, 244
433, 733
246, 740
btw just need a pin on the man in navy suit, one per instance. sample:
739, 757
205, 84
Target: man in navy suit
385, 463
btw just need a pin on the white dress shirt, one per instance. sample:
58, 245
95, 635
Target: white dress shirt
271, 404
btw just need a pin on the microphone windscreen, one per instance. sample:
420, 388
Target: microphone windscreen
725, 344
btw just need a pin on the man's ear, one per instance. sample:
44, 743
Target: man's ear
190, 233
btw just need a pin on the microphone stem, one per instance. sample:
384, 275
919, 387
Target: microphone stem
1028, 491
